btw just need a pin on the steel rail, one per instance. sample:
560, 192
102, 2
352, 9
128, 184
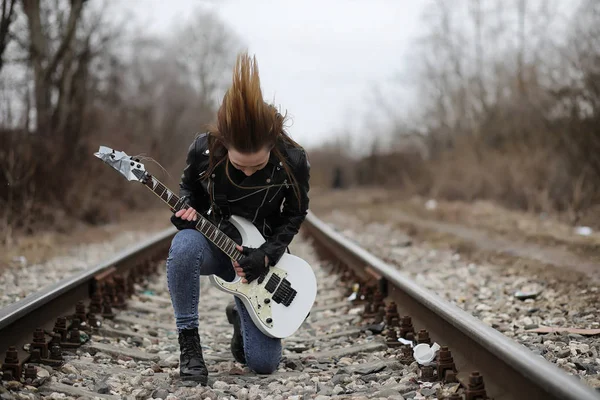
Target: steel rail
41, 308
510, 370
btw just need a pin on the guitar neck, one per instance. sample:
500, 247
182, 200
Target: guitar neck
211, 232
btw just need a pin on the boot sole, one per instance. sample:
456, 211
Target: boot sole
190, 378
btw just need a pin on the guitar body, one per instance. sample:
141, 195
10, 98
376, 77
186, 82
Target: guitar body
279, 303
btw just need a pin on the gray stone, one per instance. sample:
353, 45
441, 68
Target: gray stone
338, 378
220, 385
102, 388
254, 392
295, 365
590, 368
73, 391
338, 389
136, 381
171, 361
243, 394
13, 385
325, 390
428, 391
410, 394
105, 349
371, 368
388, 393
141, 394
565, 352
404, 388
370, 378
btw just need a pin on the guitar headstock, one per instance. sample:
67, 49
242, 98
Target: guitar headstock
132, 169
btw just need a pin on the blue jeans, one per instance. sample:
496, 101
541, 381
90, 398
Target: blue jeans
192, 255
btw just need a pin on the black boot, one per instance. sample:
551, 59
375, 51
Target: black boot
237, 342
191, 362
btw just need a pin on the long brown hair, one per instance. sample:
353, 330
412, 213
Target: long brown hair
246, 122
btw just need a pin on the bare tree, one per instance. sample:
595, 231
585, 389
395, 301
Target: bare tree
205, 49
510, 100
6, 18
45, 62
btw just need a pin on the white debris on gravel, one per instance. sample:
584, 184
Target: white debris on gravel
21, 280
487, 292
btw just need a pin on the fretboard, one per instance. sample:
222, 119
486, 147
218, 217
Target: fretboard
212, 233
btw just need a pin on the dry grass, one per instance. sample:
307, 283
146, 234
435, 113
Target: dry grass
41, 246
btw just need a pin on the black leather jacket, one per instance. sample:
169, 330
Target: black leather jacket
273, 207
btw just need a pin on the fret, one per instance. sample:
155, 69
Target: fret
168, 194
171, 199
160, 188
206, 230
231, 249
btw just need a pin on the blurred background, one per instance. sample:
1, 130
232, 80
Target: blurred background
458, 100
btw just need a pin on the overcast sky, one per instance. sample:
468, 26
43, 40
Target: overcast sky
319, 59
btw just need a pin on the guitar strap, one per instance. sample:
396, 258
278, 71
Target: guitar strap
222, 205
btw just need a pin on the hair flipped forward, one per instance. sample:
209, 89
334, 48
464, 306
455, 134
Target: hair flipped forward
246, 123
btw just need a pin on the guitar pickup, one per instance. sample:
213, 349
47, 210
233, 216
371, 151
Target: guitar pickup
272, 283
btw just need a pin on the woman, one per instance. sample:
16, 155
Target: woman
248, 166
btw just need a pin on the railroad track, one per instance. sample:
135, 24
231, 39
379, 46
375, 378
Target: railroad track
50, 348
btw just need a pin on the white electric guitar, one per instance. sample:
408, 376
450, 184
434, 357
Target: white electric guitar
278, 302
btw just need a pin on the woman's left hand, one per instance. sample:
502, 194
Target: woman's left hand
254, 264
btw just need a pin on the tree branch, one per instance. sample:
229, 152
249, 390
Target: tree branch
5, 21
76, 7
